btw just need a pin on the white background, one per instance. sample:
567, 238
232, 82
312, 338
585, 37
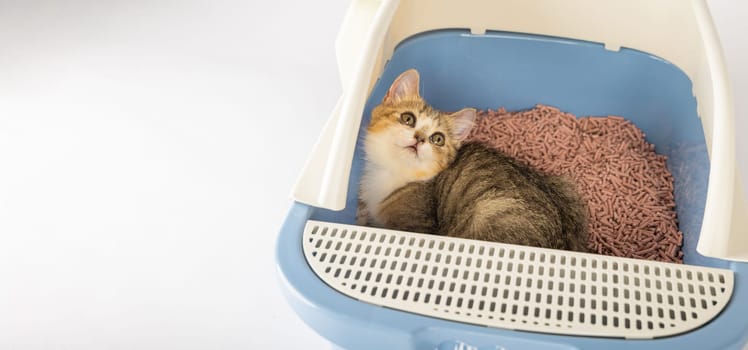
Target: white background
147, 153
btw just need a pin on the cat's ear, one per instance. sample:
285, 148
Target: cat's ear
405, 87
462, 122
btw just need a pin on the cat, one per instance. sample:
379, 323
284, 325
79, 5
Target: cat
421, 176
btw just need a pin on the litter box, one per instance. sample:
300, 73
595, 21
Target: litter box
656, 63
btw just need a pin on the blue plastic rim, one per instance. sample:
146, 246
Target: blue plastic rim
518, 71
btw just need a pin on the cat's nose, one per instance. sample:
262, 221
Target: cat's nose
419, 137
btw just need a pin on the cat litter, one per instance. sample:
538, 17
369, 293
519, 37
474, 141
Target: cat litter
625, 184
371, 289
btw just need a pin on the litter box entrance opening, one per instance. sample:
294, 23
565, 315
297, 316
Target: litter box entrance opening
518, 71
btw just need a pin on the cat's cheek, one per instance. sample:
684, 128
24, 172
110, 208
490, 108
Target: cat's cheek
378, 148
404, 138
427, 152
439, 158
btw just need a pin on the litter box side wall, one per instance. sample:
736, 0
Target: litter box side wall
680, 32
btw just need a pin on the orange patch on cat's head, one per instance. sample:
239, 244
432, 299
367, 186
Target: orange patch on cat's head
385, 116
380, 121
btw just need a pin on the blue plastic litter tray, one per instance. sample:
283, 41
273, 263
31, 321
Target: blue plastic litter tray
365, 288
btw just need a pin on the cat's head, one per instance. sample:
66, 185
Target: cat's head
407, 135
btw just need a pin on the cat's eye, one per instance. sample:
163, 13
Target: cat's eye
408, 119
437, 138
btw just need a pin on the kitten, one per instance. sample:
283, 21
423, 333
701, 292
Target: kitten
420, 177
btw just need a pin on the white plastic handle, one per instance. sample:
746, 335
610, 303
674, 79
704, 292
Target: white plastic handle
722, 172
324, 180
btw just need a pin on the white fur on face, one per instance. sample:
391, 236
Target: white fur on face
391, 163
390, 148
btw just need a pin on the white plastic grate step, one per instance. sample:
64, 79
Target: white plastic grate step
515, 287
